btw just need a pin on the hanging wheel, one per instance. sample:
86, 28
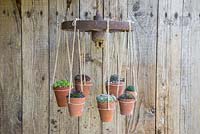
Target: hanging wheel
98, 27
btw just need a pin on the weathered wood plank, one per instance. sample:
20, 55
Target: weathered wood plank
90, 122
35, 66
169, 67
189, 111
144, 15
10, 68
60, 121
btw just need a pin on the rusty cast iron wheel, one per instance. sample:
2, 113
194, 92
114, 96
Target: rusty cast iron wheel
97, 25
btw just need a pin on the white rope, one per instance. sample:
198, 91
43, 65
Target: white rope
120, 59
71, 61
57, 51
108, 64
76, 103
84, 59
80, 64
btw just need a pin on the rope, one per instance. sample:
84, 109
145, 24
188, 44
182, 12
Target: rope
84, 59
76, 103
107, 45
57, 51
80, 64
120, 60
71, 61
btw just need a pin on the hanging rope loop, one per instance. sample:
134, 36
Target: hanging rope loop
72, 57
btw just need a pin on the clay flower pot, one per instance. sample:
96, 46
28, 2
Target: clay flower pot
126, 106
106, 114
61, 93
76, 103
115, 89
76, 106
86, 87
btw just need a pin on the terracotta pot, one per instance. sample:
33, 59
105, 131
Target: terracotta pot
134, 93
86, 87
61, 93
76, 106
113, 88
126, 106
106, 114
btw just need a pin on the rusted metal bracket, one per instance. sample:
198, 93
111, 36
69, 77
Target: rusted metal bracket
98, 27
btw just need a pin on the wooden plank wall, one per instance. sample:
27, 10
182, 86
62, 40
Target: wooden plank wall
166, 62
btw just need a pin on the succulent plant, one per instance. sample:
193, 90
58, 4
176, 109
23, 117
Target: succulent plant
105, 98
126, 96
115, 79
76, 94
84, 77
62, 83
130, 88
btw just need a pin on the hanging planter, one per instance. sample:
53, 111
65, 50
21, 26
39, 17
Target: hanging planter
76, 102
131, 90
115, 85
126, 103
84, 82
61, 90
106, 105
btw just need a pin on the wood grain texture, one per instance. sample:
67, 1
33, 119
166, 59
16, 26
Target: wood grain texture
60, 121
169, 67
144, 15
165, 58
190, 46
35, 66
10, 69
90, 121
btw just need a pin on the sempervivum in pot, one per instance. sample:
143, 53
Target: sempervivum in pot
76, 102
106, 105
126, 103
115, 85
86, 84
132, 90
61, 90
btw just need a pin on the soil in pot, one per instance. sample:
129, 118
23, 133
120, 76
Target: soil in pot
76, 106
126, 106
106, 114
61, 93
115, 89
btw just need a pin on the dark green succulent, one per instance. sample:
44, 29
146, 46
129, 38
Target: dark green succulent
115, 79
126, 96
76, 94
105, 98
130, 88
62, 83
84, 77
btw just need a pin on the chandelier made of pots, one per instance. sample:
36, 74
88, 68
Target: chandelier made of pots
97, 27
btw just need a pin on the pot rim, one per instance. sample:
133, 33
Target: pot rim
61, 88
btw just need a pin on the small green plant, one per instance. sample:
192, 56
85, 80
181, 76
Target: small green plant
84, 77
62, 83
115, 79
130, 88
126, 96
76, 94
105, 98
